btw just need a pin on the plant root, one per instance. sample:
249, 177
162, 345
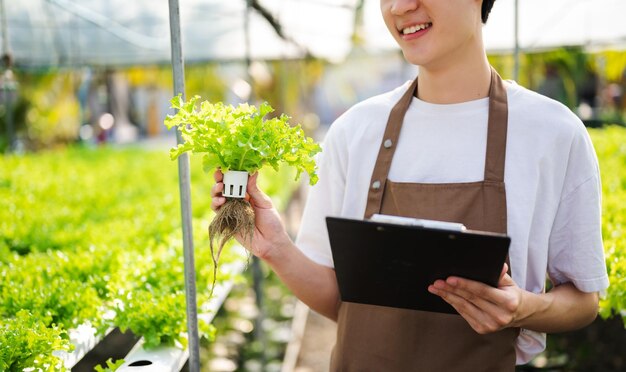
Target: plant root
235, 217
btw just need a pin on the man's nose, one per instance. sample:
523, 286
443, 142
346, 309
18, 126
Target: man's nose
400, 7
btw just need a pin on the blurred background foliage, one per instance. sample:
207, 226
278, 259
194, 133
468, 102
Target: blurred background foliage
52, 105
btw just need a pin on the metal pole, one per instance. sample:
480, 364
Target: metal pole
8, 82
246, 33
5, 29
184, 179
517, 51
9, 92
257, 273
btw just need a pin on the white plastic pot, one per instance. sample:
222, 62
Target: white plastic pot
235, 183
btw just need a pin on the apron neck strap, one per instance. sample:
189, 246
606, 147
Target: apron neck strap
386, 151
496, 129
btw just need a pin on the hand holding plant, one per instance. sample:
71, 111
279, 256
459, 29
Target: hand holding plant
239, 139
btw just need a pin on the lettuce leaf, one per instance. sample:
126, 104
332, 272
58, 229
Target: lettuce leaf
240, 138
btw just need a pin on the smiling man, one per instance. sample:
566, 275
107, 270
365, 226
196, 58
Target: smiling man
457, 144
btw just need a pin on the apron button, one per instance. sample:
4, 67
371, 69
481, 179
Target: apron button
376, 185
387, 143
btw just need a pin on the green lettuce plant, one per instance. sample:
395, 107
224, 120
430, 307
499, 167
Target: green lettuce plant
239, 138
27, 343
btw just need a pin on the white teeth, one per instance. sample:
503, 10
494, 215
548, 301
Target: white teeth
413, 29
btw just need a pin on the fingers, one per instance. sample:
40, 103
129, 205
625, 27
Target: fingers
257, 197
473, 291
469, 311
505, 269
483, 315
217, 200
478, 296
505, 279
487, 309
217, 189
218, 176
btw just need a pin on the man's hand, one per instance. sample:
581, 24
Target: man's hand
269, 232
314, 284
485, 308
488, 309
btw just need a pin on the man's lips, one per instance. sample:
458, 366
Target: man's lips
411, 29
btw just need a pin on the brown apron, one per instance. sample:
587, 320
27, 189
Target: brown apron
377, 338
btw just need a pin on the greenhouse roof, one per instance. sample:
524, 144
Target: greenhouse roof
123, 32
45, 33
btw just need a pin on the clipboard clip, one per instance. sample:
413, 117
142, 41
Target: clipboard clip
408, 221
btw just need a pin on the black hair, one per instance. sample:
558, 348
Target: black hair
486, 9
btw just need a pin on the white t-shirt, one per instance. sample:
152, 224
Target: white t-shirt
551, 178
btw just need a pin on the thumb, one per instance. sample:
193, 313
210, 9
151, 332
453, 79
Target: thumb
505, 269
258, 197
505, 278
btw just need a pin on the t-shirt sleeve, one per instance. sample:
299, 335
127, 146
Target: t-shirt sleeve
576, 251
324, 199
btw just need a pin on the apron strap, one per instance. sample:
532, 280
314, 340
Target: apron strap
386, 151
496, 129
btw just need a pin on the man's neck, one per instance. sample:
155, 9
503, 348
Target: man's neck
455, 82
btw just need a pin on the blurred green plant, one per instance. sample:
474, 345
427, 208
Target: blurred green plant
110, 366
610, 144
50, 114
95, 234
26, 342
571, 65
19, 109
201, 79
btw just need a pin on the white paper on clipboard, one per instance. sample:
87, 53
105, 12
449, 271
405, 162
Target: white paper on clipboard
408, 221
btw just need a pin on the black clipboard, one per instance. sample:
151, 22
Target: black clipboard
392, 265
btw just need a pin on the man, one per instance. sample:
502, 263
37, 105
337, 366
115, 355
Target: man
460, 145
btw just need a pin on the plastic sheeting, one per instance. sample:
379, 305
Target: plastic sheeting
129, 32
